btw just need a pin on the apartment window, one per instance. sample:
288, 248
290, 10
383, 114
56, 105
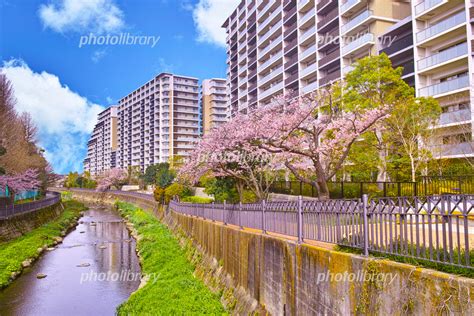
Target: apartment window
456, 107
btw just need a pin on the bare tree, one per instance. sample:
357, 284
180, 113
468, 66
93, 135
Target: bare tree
29, 127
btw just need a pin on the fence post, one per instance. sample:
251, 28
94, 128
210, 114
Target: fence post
399, 189
263, 217
385, 189
361, 189
240, 215
366, 224
223, 214
300, 219
213, 212
301, 187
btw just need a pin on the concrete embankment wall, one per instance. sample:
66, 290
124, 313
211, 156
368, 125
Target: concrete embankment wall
19, 225
282, 277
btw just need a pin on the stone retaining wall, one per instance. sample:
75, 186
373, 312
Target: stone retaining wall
284, 278
19, 225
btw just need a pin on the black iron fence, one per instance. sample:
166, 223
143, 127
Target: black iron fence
7, 211
348, 190
434, 228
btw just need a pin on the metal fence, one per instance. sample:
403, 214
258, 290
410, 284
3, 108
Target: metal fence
435, 228
7, 211
347, 190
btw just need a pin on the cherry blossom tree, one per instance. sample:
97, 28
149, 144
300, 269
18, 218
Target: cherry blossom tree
111, 178
27, 180
313, 134
223, 152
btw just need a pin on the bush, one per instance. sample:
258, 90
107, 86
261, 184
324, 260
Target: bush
222, 188
159, 194
249, 197
177, 189
196, 199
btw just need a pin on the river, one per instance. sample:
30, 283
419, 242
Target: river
91, 272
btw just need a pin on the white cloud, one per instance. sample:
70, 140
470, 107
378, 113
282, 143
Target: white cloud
64, 118
209, 15
98, 55
96, 16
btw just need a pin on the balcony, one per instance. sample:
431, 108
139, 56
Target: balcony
328, 18
273, 89
348, 5
242, 69
307, 52
270, 61
443, 57
426, 6
441, 27
307, 34
264, 10
455, 117
465, 149
364, 16
272, 45
445, 87
310, 87
333, 76
308, 15
271, 18
270, 32
291, 78
398, 45
309, 70
329, 58
272, 75
367, 39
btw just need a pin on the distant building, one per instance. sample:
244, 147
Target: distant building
213, 103
158, 121
102, 145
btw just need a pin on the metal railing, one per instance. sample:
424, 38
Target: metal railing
435, 228
8, 211
424, 186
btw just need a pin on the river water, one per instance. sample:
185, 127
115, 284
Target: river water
93, 271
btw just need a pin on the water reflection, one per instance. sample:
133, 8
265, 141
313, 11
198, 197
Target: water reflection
90, 273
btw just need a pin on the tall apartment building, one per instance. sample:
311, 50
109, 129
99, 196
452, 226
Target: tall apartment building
102, 145
158, 121
277, 46
213, 103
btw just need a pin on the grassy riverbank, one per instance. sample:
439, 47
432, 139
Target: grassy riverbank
14, 252
176, 290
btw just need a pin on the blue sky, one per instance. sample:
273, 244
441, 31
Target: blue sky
64, 86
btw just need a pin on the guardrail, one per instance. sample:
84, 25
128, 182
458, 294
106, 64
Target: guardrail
434, 228
8, 211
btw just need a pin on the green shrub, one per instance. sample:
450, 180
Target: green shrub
177, 189
159, 194
196, 199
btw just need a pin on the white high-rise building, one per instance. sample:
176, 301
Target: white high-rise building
277, 46
158, 121
102, 145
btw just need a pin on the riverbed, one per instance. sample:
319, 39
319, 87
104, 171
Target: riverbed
91, 272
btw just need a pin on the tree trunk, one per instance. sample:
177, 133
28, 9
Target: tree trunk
382, 166
323, 190
240, 189
413, 173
